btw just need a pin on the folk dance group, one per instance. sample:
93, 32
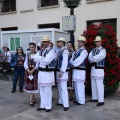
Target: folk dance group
40, 68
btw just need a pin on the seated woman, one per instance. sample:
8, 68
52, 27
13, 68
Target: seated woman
17, 62
31, 73
6, 58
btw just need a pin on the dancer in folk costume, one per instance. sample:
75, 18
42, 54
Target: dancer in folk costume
46, 60
62, 74
31, 82
97, 60
70, 82
78, 63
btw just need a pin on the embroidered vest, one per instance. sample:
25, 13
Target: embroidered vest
51, 66
82, 66
60, 59
31, 62
101, 64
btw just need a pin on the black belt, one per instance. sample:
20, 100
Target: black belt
93, 64
46, 69
67, 70
96, 67
79, 68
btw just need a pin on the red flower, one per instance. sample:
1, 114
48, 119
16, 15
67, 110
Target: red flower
112, 64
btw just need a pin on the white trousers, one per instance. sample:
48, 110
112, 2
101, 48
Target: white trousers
46, 97
63, 93
79, 92
97, 89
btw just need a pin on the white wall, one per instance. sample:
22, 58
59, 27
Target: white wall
30, 20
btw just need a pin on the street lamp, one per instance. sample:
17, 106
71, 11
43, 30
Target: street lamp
72, 4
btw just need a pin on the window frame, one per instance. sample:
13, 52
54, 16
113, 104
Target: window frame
95, 1
10, 42
41, 26
102, 20
12, 5
47, 7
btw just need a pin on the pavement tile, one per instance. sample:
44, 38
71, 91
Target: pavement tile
56, 116
16, 107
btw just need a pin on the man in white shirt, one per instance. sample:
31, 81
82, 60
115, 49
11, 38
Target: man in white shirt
46, 60
78, 63
62, 74
97, 60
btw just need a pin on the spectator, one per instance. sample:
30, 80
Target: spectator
70, 82
18, 63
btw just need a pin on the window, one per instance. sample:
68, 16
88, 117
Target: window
112, 22
91, 1
9, 29
7, 6
52, 25
46, 3
14, 43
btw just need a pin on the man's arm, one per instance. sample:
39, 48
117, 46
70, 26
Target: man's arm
48, 59
80, 59
65, 61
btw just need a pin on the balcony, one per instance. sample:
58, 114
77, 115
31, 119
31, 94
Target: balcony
7, 6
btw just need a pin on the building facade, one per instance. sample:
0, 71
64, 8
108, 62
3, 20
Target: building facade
37, 14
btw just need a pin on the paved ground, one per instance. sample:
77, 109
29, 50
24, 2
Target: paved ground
16, 107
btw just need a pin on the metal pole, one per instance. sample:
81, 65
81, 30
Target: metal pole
72, 32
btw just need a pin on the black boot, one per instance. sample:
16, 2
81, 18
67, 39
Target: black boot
100, 104
66, 108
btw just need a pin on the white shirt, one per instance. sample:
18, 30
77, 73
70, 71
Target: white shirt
26, 62
97, 73
45, 78
79, 75
65, 60
8, 54
80, 59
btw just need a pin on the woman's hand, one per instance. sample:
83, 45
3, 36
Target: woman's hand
29, 72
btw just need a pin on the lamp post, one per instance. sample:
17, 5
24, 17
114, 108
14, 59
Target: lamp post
72, 4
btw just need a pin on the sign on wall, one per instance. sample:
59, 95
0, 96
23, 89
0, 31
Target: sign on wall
14, 43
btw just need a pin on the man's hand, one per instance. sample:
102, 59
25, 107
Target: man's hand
71, 66
60, 75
